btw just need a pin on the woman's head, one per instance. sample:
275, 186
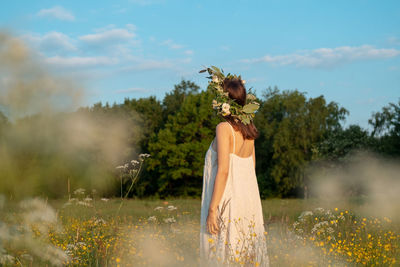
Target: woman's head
237, 91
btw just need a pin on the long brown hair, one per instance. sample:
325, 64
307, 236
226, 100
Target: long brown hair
237, 91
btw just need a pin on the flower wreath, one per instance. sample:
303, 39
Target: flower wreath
223, 104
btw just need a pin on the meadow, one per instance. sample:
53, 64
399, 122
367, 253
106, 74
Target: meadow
87, 230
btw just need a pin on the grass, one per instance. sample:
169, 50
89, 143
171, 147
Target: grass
143, 234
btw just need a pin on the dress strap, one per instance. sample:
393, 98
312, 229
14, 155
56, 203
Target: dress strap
233, 133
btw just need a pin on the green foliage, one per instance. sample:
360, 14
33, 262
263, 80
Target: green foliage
178, 149
290, 126
173, 100
339, 143
40, 153
387, 129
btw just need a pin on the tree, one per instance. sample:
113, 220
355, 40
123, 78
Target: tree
386, 126
290, 126
339, 143
178, 150
150, 112
172, 101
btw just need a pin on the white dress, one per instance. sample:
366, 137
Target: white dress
241, 237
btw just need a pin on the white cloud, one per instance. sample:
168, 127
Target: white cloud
171, 44
329, 57
52, 41
188, 52
108, 36
57, 12
80, 61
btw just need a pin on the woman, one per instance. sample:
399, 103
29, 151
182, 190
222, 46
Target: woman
232, 225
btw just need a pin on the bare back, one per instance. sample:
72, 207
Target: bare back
243, 147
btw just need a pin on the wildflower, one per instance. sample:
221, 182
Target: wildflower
79, 191
158, 208
143, 155
170, 220
171, 207
104, 199
134, 162
152, 218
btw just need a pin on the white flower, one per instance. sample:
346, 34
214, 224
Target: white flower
171, 207
152, 218
319, 210
305, 213
79, 191
225, 109
170, 220
134, 162
99, 221
215, 103
215, 79
158, 208
144, 155
104, 199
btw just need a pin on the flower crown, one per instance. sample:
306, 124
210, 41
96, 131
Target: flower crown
224, 104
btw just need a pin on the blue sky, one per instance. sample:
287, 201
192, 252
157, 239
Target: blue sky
348, 51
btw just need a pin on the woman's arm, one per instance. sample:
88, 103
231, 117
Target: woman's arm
223, 142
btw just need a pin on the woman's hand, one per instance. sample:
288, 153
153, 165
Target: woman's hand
212, 226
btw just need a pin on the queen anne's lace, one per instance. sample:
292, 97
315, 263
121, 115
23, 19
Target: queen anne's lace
223, 104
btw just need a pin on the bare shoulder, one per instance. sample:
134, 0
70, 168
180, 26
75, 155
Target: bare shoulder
222, 127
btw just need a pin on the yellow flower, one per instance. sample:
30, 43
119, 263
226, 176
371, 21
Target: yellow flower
118, 260
210, 240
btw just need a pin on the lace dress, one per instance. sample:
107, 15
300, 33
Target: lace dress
241, 237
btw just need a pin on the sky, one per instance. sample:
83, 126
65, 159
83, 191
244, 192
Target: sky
347, 51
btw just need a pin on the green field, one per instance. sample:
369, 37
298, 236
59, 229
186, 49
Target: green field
89, 232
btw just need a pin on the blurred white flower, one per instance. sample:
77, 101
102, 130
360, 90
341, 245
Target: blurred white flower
105, 199
79, 191
171, 207
158, 208
214, 104
144, 155
134, 162
170, 220
7, 259
152, 218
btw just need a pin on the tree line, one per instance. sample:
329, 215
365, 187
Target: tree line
295, 131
